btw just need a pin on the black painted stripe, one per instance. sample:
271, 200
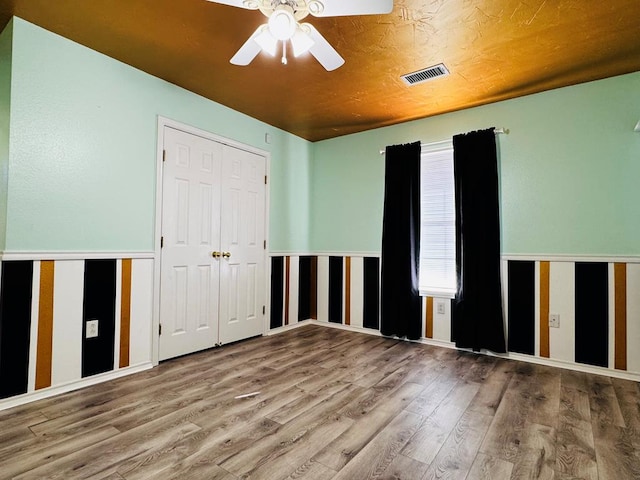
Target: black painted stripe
592, 313
304, 288
371, 293
15, 326
277, 292
99, 303
314, 288
453, 308
335, 289
521, 292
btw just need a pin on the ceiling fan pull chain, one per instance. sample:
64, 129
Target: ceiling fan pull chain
284, 52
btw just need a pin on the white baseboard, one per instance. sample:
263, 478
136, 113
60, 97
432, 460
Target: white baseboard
286, 328
577, 367
70, 386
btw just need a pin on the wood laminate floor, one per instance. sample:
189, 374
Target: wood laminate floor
332, 405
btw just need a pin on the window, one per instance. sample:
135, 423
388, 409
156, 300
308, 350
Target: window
437, 221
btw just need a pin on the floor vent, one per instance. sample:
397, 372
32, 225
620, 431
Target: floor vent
425, 74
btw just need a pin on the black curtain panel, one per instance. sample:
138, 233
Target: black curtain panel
478, 317
401, 302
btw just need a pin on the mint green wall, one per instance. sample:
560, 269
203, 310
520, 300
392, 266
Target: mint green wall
83, 139
570, 169
83, 150
5, 102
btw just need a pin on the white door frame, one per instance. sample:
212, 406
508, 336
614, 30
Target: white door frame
167, 122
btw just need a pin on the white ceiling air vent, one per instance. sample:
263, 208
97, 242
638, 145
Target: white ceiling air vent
425, 74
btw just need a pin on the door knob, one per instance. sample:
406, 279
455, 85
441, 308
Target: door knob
226, 254
215, 254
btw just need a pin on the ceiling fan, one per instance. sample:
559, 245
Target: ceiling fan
284, 26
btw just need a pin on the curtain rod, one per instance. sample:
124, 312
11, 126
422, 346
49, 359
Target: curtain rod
496, 131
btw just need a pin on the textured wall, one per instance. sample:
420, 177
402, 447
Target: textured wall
83, 151
6, 41
569, 170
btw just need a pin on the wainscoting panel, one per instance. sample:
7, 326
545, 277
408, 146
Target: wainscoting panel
305, 267
598, 303
323, 288
336, 289
592, 313
371, 293
442, 321
633, 317
292, 265
561, 302
67, 321
356, 277
44, 306
140, 334
521, 309
99, 303
123, 324
15, 326
277, 292
339, 289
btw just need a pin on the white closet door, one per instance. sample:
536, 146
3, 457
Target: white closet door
212, 280
242, 269
189, 282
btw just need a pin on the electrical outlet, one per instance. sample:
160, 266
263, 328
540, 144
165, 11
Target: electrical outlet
554, 320
92, 329
440, 308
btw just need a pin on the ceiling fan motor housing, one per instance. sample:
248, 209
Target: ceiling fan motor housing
282, 23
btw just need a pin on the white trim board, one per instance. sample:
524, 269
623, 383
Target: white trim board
42, 255
505, 256
572, 258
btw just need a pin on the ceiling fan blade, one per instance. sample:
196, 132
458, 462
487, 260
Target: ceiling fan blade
248, 51
235, 3
322, 50
337, 8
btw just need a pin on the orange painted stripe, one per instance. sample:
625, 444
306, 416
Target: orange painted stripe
44, 347
544, 309
125, 313
313, 297
620, 345
428, 318
286, 289
347, 292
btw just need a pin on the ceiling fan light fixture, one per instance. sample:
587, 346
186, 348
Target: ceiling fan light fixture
267, 42
282, 23
301, 42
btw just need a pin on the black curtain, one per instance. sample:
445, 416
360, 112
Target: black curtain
477, 316
401, 302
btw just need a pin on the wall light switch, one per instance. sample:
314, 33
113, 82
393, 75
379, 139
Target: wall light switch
554, 320
92, 329
440, 308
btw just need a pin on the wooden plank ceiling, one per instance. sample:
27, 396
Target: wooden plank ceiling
495, 50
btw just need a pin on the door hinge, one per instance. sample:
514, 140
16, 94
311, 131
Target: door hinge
161, 242
264, 309
264, 245
164, 155
160, 329
265, 179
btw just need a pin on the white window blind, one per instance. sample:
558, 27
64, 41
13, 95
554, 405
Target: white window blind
437, 276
